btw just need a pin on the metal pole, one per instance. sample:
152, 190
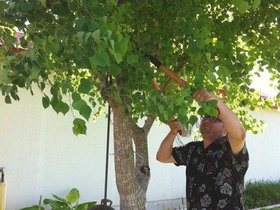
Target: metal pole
107, 152
3, 190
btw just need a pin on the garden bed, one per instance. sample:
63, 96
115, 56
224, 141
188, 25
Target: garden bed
262, 195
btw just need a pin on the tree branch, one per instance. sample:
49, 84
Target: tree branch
149, 123
104, 90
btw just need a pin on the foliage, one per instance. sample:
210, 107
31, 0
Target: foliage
71, 47
83, 53
262, 193
70, 202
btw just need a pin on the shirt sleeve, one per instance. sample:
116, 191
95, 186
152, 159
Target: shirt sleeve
181, 155
241, 160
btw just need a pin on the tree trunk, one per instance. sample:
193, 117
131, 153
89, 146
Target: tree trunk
132, 176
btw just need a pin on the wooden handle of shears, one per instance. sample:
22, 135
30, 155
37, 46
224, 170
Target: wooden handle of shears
172, 75
155, 84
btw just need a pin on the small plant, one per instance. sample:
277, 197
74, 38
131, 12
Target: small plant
262, 193
71, 202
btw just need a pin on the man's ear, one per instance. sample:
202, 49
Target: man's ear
225, 132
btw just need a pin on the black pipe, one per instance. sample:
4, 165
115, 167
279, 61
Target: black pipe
107, 152
2, 174
106, 203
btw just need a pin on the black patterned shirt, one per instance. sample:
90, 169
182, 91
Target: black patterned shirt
215, 176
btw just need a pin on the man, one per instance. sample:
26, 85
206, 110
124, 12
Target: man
215, 167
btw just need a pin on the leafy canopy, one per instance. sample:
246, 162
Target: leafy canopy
73, 47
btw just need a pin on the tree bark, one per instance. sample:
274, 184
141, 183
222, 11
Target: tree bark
132, 170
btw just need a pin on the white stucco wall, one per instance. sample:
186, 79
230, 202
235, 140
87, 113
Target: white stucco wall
264, 148
41, 156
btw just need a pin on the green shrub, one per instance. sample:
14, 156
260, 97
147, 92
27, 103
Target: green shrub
261, 193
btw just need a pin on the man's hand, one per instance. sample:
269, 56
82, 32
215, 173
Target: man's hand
203, 95
164, 153
174, 126
235, 130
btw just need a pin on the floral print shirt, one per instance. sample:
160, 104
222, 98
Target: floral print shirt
215, 176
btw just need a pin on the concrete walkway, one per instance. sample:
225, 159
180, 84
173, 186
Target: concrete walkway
267, 207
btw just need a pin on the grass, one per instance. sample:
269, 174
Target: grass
262, 193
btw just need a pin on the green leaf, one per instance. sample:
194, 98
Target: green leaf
8, 99
78, 105
241, 5
183, 119
244, 102
118, 57
256, 4
54, 47
55, 203
85, 86
220, 45
14, 95
213, 112
112, 2
223, 71
78, 54
208, 57
79, 126
60, 199
25, 6
132, 59
112, 43
100, 58
45, 101
201, 111
76, 96
92, 24
79, 24
200, 43
73, 196
211, 108
115, 70
86, 111
80, 35
87, 35
43, 2
64, 107
83, 108
178, 100
59, 106
35, 207
193, 119
42, 85
3, 74
85, 206
122, 46
183, 111
99, 11
20, 81
96, 35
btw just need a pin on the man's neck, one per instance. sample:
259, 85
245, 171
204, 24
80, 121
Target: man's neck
207, 142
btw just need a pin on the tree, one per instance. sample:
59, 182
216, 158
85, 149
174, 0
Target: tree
91, 52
